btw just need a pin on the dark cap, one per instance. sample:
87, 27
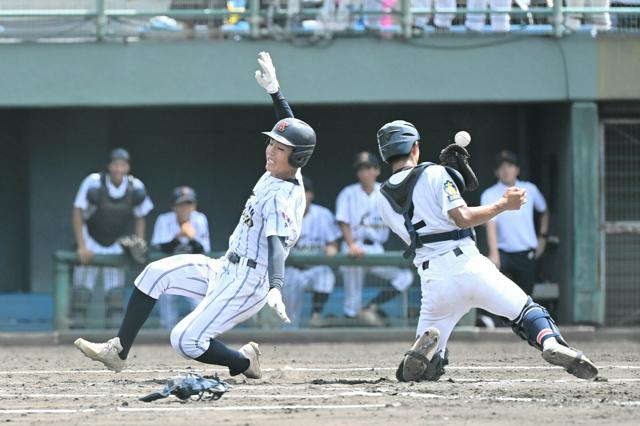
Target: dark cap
184, 194
505, 156
308, 184
365, 158
119, 154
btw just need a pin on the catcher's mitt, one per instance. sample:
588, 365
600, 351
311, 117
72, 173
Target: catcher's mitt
135, 247
456, 157
207, 389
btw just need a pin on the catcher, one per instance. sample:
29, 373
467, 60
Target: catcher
423, 204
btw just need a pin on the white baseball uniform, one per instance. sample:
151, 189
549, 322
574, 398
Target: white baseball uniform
319, 229
86, 276
516, 230
165, 230
359, 210
454, 276
233, 292
500, 22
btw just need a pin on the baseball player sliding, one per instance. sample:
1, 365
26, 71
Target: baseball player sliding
250, 275
422, 203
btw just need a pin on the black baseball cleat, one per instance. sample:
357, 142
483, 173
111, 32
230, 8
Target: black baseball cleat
416, 360
571, 360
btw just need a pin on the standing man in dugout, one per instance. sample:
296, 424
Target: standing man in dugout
104, 208
511, 236
364, 232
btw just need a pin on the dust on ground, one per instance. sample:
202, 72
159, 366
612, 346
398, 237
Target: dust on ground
313, 384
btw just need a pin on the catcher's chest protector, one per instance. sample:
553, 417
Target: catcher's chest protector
400, 196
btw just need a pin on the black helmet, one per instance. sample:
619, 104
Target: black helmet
296, 134
396, 138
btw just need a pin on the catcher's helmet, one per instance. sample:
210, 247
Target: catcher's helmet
396, 138
296, 134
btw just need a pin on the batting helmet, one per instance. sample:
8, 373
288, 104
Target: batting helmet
396, 138
298, 135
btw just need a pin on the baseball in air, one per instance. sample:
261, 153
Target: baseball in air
462, 138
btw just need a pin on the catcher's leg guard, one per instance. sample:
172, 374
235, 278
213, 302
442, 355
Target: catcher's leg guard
535, 325
416, 361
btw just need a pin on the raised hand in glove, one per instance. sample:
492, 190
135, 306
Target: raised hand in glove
266, 76
456, 157
274, 300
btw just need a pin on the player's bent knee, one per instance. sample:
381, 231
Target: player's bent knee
186, 343
534, 325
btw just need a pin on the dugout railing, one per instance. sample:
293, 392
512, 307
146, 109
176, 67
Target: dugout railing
115, 19
401, 311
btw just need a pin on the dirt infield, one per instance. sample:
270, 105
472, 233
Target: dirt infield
486, 383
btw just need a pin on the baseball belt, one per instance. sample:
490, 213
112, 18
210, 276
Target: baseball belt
235, 258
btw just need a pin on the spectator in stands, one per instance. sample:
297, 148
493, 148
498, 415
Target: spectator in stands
600, 21
184, 230
440, 20
513, 244
213, 24
364, 233
319, 235
106, 205
500, 22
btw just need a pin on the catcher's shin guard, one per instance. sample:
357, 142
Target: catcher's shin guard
416, 361
535, 325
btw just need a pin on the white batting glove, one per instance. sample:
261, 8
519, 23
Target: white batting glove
274, 300
266, 77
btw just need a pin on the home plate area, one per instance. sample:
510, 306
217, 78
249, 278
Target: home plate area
497, 383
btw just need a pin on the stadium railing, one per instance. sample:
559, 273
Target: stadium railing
401, 311
112, 19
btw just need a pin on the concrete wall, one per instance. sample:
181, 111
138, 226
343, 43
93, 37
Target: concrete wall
441, 69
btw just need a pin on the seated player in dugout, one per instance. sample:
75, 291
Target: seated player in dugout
106, 206
183, 230
320, 235
422, 203
364, 232
250, 275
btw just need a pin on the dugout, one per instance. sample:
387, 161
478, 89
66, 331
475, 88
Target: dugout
187, 111
220, 153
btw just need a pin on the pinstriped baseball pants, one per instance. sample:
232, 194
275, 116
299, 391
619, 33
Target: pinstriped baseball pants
232, 293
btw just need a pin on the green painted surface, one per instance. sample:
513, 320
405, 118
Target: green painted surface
491, 68
588, 306
619, 68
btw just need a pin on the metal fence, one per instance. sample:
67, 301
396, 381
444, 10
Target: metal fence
620, 216
84, 20
402, 310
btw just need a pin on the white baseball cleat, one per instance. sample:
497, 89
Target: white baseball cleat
106, 353
251, 351
571, 360
417, 359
